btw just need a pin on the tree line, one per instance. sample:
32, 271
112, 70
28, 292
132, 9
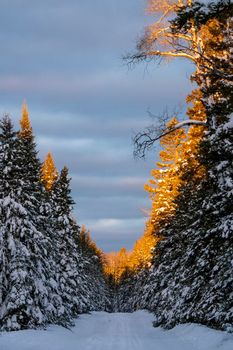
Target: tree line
50, 269
181, 268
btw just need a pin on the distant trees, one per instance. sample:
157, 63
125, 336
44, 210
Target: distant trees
115, 264
86, 245
45, 277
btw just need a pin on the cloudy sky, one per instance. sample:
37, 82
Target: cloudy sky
65, 59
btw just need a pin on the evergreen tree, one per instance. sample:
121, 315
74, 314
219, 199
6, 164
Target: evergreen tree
49, 173
25, 292
41, 211
192, 280
78, 262
191, 275
164, 187
65, 251
45, 276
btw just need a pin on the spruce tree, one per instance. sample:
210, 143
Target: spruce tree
42, 210
49, 173
192, 272
68, 258
191, 275
46, 274
79, 268
25, 291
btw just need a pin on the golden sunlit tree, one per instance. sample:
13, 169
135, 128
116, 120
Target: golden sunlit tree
110, 265
179, 151
25, 124
190, 187
115, 263
164, 187
49, 173
180, 166
191, 169
179, 156
141, 254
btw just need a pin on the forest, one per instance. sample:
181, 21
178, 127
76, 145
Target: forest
181, 268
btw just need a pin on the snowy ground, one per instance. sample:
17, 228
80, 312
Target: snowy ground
118, 331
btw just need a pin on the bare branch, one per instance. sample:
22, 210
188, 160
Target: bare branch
151, 55
145, 140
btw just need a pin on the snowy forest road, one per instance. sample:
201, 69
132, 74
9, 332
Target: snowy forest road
117, 331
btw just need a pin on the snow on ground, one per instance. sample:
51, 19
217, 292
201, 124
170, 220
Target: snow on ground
117, 331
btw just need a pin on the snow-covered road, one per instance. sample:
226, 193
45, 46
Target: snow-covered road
117, 331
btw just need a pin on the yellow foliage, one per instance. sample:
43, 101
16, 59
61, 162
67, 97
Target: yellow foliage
211, 32
179, 165
164, 6
164, 187
194, 136
49, 172
141, 254
115, 264
26, 129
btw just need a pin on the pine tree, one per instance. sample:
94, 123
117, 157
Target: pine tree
79, 267
191, 275
164, 187
42, 208
25, 291
26, 129
65, 251
45, 277
49, 173
8, 153
191, 280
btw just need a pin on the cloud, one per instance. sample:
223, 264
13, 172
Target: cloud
124, 232
116, 206
61, 143
64, 57
111, 186
98, 92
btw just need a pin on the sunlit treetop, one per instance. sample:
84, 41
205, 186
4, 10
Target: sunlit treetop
49, 173
25, 124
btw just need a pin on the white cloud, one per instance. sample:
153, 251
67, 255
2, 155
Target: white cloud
61, 143
119, 226
121, 232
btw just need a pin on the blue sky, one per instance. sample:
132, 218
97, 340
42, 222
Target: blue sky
65, 59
